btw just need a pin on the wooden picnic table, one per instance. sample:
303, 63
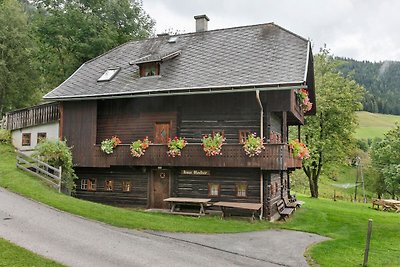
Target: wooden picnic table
387, 204
254, 207
201, 202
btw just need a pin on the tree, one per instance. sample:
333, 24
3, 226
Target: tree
328, 134
18, 79
386, 161
72, 32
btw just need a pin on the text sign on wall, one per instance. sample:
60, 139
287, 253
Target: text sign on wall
195, 172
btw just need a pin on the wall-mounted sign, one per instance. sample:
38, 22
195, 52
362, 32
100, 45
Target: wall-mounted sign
195, 172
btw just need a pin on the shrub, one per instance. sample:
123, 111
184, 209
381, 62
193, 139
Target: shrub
5, 136
57, 153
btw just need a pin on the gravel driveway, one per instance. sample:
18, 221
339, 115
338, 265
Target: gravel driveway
75, 241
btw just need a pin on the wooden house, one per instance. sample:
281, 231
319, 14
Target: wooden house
233, 81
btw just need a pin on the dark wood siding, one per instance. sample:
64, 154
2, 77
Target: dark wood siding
79, 128
230, 113
133, 119
197, 186
273, 193
136, 197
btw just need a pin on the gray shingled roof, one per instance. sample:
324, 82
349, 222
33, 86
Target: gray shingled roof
238, 57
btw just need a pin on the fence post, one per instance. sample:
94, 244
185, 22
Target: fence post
59, 176
367, 243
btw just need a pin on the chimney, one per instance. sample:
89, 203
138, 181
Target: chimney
201, 23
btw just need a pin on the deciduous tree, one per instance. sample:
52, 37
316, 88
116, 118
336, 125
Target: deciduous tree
329, 134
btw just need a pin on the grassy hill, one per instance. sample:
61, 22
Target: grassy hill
374, 125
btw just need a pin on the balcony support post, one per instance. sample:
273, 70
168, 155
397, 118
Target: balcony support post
262, 138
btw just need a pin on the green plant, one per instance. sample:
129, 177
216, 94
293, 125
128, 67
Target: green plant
57, 153
175, 146
299, 149
108, 145
253, 145
5, 136
212, 144
139, 147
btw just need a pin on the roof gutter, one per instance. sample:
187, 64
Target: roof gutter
184, 91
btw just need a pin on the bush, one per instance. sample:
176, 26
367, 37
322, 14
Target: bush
57, 153
5, 136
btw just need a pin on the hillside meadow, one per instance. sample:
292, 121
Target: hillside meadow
373, 125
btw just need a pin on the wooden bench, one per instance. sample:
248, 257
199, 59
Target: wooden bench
298, 203
289, 204
283, 211
253, 207
176, 201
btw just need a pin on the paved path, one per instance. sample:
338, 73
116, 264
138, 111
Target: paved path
75, 241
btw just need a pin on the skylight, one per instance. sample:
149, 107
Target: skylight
108, 75
173, 39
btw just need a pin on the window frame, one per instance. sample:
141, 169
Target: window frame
23, 139
145, 66
210, 189
91, 184
246, 186
40, 138
242, 135
84, 184
109, 185
123, 184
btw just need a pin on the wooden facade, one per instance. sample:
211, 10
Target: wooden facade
156, 176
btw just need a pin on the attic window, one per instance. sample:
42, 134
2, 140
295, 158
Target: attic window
108, 75
150, 69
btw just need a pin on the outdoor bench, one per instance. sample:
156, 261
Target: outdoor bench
283, 211
253, 207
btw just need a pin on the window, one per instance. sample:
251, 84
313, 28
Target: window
84, 184
26, 139
88, 184
109, 185
241, 190
214, 190
126, 186
41, 137
221, 132
243, 135
149, 69
108, 75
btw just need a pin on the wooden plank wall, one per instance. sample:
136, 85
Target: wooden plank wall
272, 193
133, 119
197, 186
138, 178
79, 128
207, 113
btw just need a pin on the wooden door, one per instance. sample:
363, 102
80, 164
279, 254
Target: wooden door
162, 132
160, 189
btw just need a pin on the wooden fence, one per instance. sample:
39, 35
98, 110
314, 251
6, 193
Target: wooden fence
41, 169
32, 116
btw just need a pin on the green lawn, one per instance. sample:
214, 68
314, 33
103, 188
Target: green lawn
12, 255
345, 223
373, 125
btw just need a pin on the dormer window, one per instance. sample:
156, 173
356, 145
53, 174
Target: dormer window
149, 69
108, 75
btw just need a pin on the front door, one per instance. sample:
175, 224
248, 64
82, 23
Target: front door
162, 132
159, 189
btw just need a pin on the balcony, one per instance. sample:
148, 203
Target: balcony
274, 157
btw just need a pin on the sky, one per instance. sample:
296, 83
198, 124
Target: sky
359, 29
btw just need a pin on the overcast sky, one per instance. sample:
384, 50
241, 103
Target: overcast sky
360, 29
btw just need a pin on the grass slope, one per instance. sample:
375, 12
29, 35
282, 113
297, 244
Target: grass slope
373, 125
344, 222
12, 255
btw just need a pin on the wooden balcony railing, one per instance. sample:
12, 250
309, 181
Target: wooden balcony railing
274, 157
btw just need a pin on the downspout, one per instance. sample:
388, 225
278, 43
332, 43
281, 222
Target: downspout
262, 138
